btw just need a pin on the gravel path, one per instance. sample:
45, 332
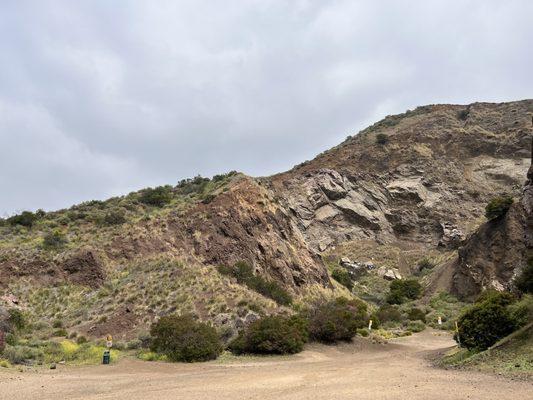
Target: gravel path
398, 370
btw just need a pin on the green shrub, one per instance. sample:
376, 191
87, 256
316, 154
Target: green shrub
182, 338
382, 139
416, 326
21, 354
487, 321
26, 218
272, 335
115, 217
498, 207
54, 240
522, 310
81, 340
416, 314
157, 197
57, 323
524, 281
243, 272
463, 114
60, 332
17, 319
337, 319
424, 264
363, 332
388, 313
404, 290
343, 277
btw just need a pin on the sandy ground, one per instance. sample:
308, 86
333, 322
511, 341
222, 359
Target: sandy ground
398, 370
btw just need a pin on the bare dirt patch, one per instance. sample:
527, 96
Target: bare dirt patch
398, 370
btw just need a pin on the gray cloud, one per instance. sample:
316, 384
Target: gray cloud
98, 98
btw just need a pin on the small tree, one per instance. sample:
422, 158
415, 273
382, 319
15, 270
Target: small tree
182, 338
498, 207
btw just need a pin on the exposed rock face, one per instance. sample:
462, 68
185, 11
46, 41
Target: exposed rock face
498, 250
428, 185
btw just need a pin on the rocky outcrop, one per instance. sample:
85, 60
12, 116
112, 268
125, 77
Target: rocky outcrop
428, 184
498, 250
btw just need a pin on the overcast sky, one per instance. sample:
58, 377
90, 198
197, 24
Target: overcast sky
99, 98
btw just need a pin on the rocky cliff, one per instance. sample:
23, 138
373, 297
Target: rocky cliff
498, 250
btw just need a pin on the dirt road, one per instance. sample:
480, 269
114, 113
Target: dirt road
398, 370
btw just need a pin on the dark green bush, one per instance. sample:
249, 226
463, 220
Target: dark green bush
388, 313
272, 335
157, 197
337, 319
343, 277
115, 217
404, 290
416, 314
524, 281
195, 185
17, 319
26, 218
487, 321
424, 264
463, 114
182, 338
243, 272
498, 207
54, 240
382, 139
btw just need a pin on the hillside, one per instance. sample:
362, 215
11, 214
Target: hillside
409, 186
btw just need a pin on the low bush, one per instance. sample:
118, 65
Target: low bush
243, 272
272, 335
21, 354
17, 319
343, 277
388, 313
26, 218
363, 332
182, 338
498, 207
54, 240
404, 290
487, 321
416, 326
337, 319
157, 197
382, 139
416, 314
423, 265
115, 217
522, 310
524, 281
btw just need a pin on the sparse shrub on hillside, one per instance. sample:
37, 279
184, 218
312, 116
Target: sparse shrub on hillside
25, 218
54, 240
423, 265
272, 335
416, 326
388, 313
194, 185
524, 281
382, 139
243, 272
17, 319
498, 207
487, 321
404, 290
115, 217
416, 314
182, 338
157, 197
463, 114
343, 277
337, 319
21, 354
